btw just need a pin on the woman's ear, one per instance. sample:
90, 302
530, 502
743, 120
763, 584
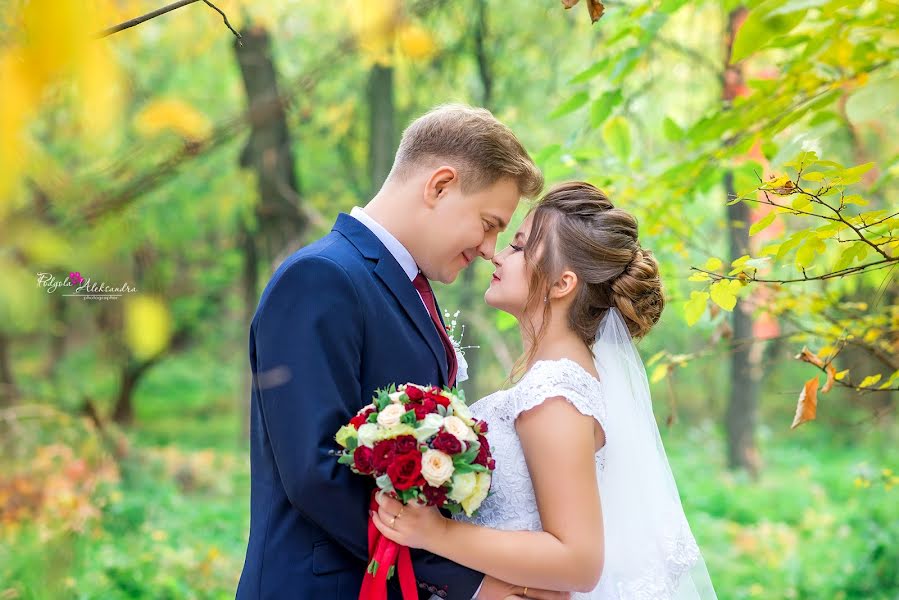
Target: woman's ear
564, 286
437, 184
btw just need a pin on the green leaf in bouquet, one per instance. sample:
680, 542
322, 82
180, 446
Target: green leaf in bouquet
352, 443
346, 459
441, 410
372, 418
382, 400
453, 508
384, 483
409, 418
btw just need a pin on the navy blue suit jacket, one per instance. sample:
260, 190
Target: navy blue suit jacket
338, 320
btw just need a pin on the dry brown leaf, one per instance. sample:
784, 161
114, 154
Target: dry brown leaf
810, 357
807, 407
596, 9
831, 376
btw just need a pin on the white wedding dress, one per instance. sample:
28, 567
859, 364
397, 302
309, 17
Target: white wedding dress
513, 506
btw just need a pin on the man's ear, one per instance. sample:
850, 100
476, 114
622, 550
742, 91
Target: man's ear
564, 286
437, 184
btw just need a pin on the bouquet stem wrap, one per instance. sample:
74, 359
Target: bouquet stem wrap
383, 556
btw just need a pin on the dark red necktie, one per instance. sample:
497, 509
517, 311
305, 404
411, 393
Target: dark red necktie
427, 294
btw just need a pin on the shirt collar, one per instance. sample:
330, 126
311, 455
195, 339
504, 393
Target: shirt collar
393, 245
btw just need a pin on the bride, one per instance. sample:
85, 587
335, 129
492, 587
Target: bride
582, 498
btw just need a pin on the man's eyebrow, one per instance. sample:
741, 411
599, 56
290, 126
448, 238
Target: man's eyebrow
499, 222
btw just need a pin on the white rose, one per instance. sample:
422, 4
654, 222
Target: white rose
368, 435
391, 414
395, 397
429, 426
481, 488
457, 427
461, 410
463, 485
436, 467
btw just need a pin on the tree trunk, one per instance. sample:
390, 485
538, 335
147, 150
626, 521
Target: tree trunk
742, 408
8, 390
282, 222
382, 142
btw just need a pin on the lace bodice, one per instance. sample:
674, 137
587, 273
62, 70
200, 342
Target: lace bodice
512, 505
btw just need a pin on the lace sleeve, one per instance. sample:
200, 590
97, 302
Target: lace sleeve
565, 378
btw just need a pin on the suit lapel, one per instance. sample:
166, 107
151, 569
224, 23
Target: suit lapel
397, 283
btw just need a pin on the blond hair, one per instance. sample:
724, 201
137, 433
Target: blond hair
482, 149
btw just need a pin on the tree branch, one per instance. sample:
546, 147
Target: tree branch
161, 11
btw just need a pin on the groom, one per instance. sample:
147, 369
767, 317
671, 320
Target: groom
354, 312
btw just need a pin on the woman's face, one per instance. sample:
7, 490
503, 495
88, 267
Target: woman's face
509, 287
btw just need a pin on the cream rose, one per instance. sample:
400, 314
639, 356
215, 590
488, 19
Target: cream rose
368, 435
461, 410
463, 485
429, 426
391, 414
395, 397
436, 467
457, 427
481, 488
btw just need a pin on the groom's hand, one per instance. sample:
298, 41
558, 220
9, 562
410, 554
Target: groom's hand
494, 589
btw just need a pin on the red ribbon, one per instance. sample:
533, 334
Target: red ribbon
386, 553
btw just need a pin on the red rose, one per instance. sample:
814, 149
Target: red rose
362, 418
423, 408
491, 464
435, 496
362, 457
441, 400
406, 444
405, 471
482, 426
414, 393
483, 452
448, 443
383, 454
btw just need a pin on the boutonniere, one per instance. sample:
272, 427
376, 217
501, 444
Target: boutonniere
452, 329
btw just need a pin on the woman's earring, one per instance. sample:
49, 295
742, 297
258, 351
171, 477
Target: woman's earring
545, 299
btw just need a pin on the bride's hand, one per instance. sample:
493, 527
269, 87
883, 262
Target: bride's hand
415, 526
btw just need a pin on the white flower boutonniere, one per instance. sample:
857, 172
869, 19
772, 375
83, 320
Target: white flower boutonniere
451, 330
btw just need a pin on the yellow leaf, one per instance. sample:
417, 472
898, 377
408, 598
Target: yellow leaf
695, 306
841, 375
869, 380
762, 223
713, 264
15, 109
416, 42
175, 115
699, 276
148, 326
659, 373
723, 293
374, 25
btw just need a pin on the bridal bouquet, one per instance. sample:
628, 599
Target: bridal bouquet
419, 444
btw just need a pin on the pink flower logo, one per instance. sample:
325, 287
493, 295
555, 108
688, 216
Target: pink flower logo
76, 278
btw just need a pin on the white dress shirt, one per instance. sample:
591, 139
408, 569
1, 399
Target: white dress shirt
404, 258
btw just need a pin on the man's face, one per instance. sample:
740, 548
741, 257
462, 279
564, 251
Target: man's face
462, 227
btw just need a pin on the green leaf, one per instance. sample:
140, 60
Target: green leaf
763, 25
762, 223
616, 134
570, 105
695, 307
603, 106
591, 72
672, 130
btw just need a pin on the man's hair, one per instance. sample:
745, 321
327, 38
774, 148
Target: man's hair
481, 149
